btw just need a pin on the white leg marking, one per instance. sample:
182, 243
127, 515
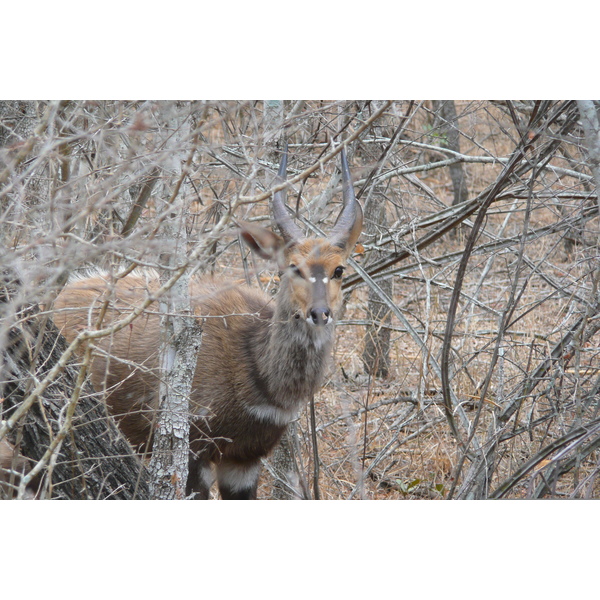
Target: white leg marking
207, 475
237, 478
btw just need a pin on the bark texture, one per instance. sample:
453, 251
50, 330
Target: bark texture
447, 123
180, 332
170, 451
590, 120
376, 352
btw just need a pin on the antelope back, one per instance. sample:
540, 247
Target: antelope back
125, 364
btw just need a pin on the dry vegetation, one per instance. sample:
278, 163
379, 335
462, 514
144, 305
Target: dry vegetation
500, 401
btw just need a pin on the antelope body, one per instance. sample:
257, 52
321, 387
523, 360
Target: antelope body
260, 359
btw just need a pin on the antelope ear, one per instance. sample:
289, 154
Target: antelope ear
263, 242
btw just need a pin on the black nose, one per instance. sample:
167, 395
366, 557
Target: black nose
320, 316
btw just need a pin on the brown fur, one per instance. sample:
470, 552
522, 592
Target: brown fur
255, 352
259, 361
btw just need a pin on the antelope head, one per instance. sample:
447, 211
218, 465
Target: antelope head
312, 268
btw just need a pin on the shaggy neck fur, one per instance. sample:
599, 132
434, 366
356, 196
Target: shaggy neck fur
294, 357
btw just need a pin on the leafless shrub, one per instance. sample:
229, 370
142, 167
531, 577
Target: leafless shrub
491, 334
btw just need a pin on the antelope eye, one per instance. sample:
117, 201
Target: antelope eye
296, 271
337, 274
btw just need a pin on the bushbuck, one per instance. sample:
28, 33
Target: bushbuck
260, 359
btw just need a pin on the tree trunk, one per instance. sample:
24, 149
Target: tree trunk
447, 126
376, 351
181, 343
181, 336
590, 120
